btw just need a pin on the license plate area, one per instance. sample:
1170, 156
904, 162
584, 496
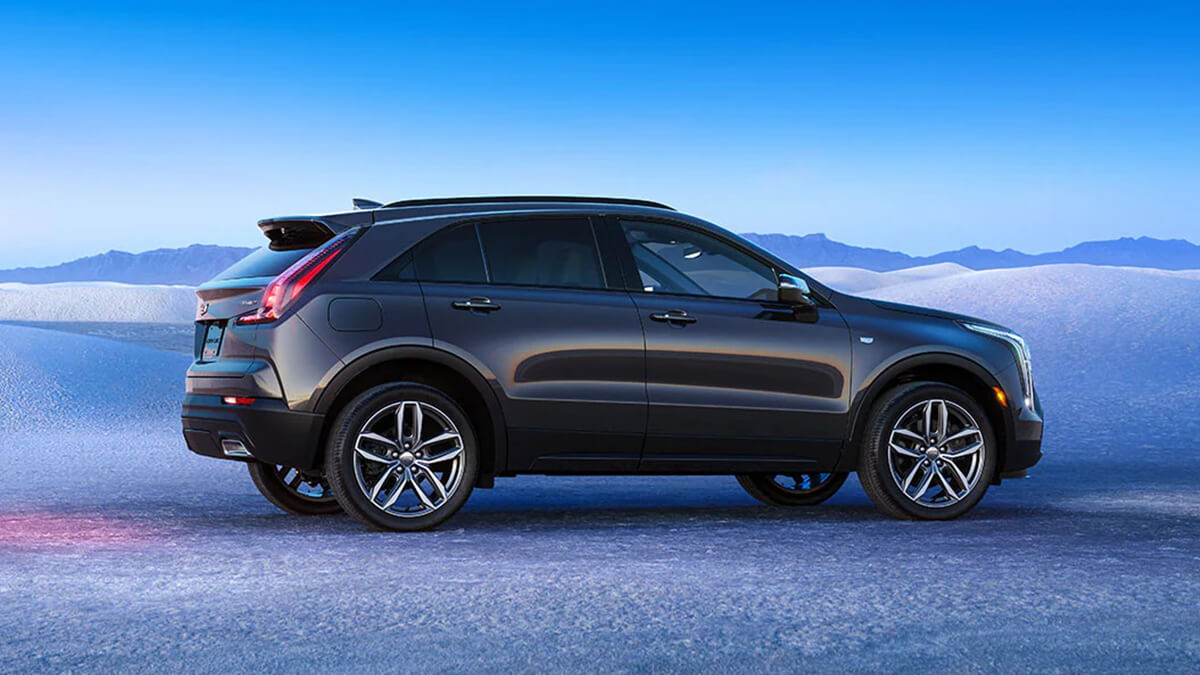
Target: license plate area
210, 346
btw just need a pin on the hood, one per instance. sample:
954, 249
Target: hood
933, 313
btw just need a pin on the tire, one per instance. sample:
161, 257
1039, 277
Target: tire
810, 488
292, 491
900, 452
384, 449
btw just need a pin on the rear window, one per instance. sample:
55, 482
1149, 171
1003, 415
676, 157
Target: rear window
263, 263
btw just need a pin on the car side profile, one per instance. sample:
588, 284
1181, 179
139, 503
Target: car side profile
386, 361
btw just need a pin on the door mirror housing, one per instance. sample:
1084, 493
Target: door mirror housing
794, 291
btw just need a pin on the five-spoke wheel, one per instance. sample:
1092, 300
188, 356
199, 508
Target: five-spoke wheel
408, 458
935, 453
927, 453
402, 457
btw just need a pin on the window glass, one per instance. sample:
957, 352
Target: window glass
400, 269
542, 252
264, 262
672, 259
451, 255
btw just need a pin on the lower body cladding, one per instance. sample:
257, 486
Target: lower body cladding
265, 430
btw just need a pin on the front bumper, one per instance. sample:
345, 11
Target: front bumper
268, 429
1024, 448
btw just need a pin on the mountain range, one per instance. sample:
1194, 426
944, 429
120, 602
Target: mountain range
188, 266
199, 262
817, 250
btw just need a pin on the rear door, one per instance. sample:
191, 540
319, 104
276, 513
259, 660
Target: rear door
533, 304
735, 379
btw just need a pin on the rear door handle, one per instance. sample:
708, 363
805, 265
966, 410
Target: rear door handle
476, 304
674, 316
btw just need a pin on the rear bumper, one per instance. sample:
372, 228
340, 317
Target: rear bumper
268, 429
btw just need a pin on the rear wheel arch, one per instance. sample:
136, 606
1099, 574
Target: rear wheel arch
432, 367
950, 369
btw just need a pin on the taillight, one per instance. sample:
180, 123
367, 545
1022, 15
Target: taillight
288, 286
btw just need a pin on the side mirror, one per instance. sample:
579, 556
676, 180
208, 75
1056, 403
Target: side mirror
794, 291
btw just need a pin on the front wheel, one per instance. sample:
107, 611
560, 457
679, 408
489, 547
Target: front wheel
928, 452
797, 489
292, 491
402, 457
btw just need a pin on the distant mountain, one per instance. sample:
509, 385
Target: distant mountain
817, 250
190, 266
200, 262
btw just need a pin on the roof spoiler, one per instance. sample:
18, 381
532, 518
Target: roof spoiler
295, 232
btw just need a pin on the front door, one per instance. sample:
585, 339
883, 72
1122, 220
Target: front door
734, 378
533, 306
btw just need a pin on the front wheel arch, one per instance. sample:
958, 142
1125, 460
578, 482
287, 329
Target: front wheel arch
949, 369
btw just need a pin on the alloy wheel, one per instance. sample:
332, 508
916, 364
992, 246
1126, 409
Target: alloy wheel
408, 459
936, 453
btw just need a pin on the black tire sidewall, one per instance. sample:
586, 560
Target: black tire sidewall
874, 452
270, 485
762, 487
339, 455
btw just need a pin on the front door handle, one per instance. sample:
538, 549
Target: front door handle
476, 304
674, 316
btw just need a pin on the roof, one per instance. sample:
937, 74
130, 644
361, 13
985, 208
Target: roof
526, 199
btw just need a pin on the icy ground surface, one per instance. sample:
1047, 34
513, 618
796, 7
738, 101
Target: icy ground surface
119, 550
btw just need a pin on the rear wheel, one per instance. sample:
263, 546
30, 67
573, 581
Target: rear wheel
293, 491
796, 489
402, 457
928, 452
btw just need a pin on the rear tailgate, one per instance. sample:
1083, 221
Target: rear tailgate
239, 289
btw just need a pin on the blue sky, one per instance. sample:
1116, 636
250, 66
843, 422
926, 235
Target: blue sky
919, 128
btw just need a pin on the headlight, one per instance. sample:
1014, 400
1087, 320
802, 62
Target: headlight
1020, 351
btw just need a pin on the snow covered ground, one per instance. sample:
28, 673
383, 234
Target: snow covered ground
119, 550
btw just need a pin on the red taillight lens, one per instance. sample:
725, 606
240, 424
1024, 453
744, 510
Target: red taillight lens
288, 286
237, 400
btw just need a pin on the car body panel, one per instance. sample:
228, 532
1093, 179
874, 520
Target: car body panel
747, 379
569, 364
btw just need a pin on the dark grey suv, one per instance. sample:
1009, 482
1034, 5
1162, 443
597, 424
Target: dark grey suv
388, 360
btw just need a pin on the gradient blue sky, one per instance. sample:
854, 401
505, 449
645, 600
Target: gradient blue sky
918, 128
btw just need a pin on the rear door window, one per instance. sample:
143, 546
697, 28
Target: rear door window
551, 252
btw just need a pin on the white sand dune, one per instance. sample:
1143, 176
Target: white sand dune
1104, 339
857, 280
97, 301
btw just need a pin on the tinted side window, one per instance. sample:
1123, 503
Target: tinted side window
542, 252
672, 259
451, 255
